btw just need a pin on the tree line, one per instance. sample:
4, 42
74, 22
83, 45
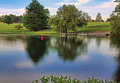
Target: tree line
36, 18
68, 17
9, 19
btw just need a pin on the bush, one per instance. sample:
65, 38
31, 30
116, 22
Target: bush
18, 27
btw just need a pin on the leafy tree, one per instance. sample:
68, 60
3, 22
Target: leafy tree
87, 17
108, 20
8, 20
1, 18
115, 21
99, 18
18, 27
36, 16
68, 18
16, 19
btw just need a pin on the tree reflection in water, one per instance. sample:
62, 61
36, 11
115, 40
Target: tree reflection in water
69, 48
36, 48
115, 42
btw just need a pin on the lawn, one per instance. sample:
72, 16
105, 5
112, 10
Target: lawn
10, 29
95, 26
91, 27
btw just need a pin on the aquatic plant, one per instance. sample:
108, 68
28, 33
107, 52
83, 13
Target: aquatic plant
62, 79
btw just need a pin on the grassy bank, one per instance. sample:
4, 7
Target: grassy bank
91, 27
95, 26
10, 29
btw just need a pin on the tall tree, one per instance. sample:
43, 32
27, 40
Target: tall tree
99, 18
8, 20
68, 18
36, 16
115, 21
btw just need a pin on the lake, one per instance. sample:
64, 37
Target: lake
27, 58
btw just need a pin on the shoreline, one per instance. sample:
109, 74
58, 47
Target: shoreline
96, 33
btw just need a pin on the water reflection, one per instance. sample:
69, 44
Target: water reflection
79, 57
115, 42
68, 48
98, 41
36, 48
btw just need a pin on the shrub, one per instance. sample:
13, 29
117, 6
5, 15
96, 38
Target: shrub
18, 27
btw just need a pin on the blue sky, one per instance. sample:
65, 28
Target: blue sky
105, 7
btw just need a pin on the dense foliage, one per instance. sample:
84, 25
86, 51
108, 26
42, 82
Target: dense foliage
18, 27
68, 18
115, 21
8, 20
35, 17
115, 25
99, 18
16, 19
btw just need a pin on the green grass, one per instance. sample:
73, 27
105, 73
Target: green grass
95, 26
91, 27
10, 29
62, 79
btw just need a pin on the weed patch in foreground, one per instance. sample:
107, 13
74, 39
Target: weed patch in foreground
62, 79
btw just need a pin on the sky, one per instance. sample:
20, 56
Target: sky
92, 7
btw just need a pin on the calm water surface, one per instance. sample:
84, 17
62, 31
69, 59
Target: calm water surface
28, 58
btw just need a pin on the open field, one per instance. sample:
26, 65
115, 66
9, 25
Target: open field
91, 27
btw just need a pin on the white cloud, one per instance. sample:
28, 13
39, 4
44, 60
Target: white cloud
14, 45
52, 10
83, 1
77, 3
66, 0
109, 4
24, 64
4, 11
105, 9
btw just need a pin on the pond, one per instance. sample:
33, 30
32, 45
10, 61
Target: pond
27, 58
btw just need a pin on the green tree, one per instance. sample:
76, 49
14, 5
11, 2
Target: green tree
68, 18
8, 20
1, 18
115, 21
99, 18
108, 20
16, 19
87, 17
36, 16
